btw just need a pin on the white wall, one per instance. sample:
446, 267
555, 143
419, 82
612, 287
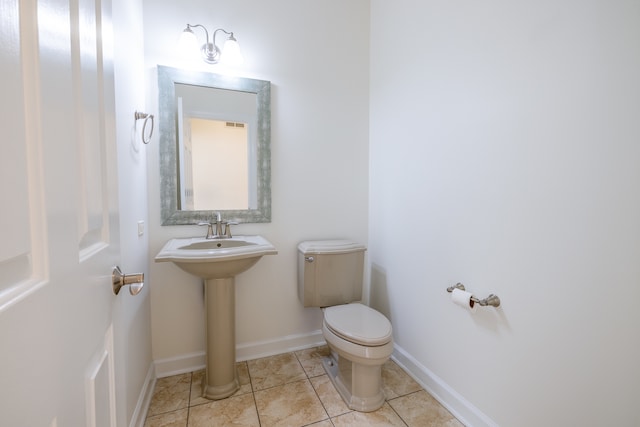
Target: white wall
132, 315
315, 55
504, 155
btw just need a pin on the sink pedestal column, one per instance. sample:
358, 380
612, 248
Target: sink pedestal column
221, 378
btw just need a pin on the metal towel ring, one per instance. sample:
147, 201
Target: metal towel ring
146, 117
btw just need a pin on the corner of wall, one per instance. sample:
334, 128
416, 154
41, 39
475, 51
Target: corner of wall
461, 408
144, 399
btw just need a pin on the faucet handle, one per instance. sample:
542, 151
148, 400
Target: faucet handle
209, 229
227, 228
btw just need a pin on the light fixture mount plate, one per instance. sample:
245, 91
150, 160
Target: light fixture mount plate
210, 53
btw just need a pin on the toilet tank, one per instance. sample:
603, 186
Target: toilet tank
330, 272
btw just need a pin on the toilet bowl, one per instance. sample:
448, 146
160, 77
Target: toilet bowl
330, 274
360, 342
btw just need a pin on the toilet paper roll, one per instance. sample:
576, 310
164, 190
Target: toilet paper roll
463, 299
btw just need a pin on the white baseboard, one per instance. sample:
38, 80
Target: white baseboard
246, 351
180, 364
144, 400
258, 349
461, 408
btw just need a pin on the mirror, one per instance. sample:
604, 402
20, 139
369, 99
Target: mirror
215, 147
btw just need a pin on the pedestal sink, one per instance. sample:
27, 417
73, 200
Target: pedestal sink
218, 261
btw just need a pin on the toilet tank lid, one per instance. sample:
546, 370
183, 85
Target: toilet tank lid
336, 246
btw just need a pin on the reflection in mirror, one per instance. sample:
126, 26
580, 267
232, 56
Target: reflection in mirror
215, 128
214, 147
223, 187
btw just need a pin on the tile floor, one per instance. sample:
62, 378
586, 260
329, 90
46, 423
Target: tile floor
291, 390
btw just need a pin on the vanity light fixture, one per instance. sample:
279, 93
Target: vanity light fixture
211, 53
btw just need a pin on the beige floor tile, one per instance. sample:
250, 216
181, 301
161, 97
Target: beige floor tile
170, 394
290, 405
171, 419
396, 382
422, 410
284, 397
237, 411
274, 371
383, 417
196, 389
243, 378
329, 396
311, 360
198, 376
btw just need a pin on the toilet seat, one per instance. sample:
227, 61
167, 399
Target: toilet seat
358, 324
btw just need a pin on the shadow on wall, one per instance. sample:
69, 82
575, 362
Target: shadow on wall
489, 318
379, 293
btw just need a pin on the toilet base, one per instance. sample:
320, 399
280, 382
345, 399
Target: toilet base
360, 386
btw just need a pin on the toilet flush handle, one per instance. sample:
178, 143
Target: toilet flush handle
309, 259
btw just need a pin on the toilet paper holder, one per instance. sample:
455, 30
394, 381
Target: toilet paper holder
491, 300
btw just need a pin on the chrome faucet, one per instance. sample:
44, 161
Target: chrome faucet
218, 223
219, 233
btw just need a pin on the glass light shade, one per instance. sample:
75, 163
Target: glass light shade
231, 54
188, 42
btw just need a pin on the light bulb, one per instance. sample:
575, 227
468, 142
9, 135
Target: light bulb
231, 54
188, 43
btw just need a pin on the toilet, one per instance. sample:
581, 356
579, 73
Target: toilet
330, 276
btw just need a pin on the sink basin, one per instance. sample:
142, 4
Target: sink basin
216, 244
216, 258
217, 261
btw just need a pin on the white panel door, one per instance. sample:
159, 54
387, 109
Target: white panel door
58, 213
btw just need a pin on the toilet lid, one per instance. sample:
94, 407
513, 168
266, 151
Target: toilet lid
359, 324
